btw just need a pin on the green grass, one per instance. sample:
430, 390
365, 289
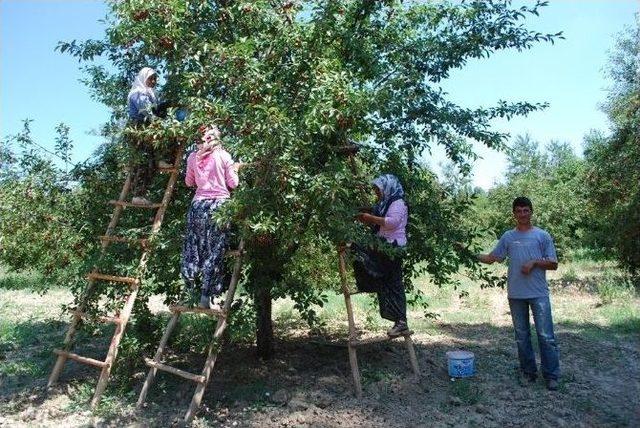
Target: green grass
613, 286
467, 390
30, 281
25, 348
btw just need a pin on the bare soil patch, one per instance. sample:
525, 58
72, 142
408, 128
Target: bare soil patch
309, 382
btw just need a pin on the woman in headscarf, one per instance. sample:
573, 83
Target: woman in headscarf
377, 271
143, 107
214, 174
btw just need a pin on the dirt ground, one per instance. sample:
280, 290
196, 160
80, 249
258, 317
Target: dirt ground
309, 382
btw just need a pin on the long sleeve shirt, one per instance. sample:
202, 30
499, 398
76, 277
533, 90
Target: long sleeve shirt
395, 223
214, 177
140, 107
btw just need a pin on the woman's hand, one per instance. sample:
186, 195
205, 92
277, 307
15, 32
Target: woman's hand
238, 165
367, 218
361, 217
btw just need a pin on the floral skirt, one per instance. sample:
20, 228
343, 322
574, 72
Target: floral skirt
202, 261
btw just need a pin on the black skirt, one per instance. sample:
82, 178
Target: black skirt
377, 272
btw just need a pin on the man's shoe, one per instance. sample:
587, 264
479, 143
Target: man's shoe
530, 377
398, 328
552, 384
139, 200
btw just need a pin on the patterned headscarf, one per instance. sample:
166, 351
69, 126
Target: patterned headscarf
391, 190
210, 142
140, 84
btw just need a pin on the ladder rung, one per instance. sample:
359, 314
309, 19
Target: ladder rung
379, 339
169, 170
80, 358
185, 309
103, 277
115, 320
131, 204
143, 242
175, 371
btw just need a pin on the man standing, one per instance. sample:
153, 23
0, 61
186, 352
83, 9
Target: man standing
531, 253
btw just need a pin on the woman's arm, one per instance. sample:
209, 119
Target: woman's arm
230, 172
396, 213
367, 218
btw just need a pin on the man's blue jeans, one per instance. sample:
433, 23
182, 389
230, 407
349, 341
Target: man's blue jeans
541, 309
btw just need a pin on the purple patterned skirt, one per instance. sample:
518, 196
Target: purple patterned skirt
202, 263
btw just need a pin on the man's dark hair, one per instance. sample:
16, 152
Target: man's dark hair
521, 201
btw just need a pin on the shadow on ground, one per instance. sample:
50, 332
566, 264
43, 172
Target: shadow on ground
309, 383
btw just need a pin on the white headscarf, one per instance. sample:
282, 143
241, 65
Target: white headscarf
140, 84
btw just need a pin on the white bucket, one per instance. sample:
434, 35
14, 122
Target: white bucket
461, 363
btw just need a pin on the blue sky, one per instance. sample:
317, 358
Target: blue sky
43, 85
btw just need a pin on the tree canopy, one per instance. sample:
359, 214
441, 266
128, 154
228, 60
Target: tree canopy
296, 87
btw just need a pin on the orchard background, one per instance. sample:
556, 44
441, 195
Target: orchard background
296, 87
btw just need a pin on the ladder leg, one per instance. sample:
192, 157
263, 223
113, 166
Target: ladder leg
115, 217
412, 356
206, 372
157, 222
57, 368
113, 348
214, 347
128, 307
68, 339
353, 357
355, 371
152, 371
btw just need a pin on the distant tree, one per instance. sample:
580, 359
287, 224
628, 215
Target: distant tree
613, 175
524, 157
42, 218
553, 179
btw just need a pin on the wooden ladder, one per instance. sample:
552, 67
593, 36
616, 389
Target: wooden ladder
202, 379
133, 283
354, 342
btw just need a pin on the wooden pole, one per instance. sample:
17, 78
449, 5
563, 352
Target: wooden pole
113, 347
353, 357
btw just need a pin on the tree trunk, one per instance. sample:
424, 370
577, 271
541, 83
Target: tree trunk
264, 326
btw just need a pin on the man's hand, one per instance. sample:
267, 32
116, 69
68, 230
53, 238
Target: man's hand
542, 264
488, 258
528, 267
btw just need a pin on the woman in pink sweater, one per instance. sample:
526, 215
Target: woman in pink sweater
214, 174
